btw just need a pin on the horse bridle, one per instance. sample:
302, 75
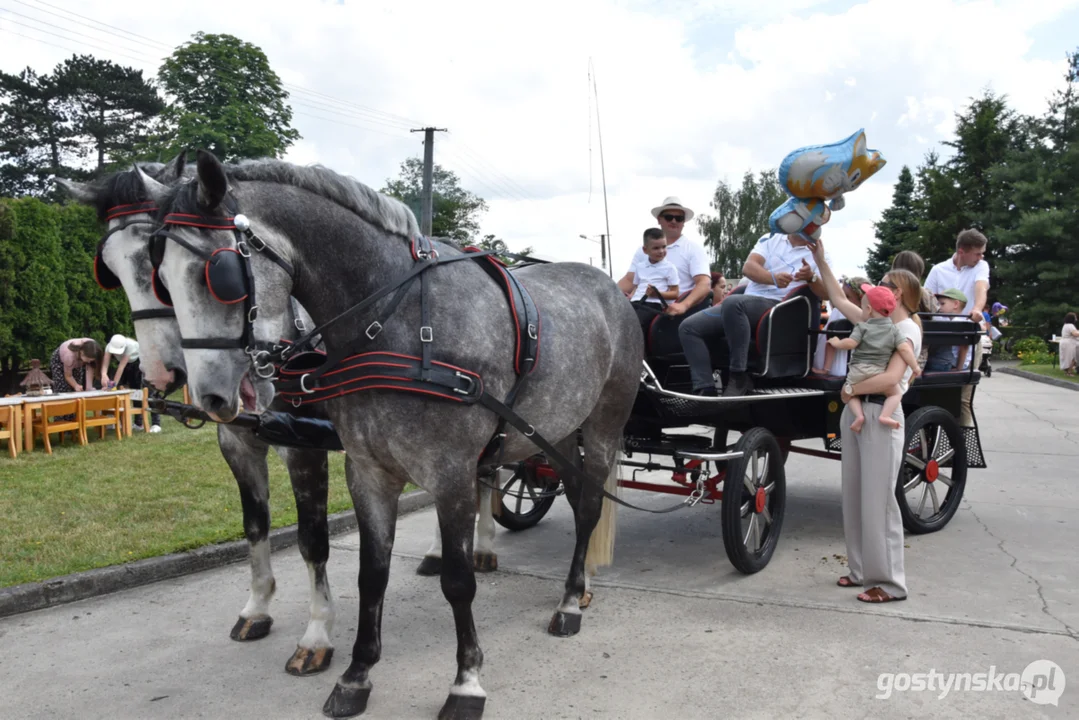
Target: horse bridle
105, 277
229, 278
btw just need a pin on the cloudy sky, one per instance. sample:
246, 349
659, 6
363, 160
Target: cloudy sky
689, 92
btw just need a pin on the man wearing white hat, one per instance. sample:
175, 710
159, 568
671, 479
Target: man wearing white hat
687, 256
128, 372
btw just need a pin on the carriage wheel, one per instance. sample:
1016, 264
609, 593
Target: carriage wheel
934, 470
754, 498
524, 498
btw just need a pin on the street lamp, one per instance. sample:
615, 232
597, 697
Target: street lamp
602, 250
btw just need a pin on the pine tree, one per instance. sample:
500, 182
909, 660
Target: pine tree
896, 229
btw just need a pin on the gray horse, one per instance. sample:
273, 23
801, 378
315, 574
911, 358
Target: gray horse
121, 202
340, 242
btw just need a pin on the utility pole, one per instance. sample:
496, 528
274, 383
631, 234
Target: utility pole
427, 198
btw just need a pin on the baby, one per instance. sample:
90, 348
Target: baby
873, 342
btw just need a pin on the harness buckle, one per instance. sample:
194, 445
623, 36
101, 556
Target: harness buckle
252, 314
303, 385
469, 389
256, 242
241, 247
300, 325
532, 332
373, 329
427, 334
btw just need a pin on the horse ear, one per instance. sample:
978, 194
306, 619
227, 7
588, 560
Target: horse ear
80, 191
153, 189
212, 181
174, 170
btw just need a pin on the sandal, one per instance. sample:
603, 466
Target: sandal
846, 582
876, 595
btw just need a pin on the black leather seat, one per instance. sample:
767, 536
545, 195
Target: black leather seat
781, 345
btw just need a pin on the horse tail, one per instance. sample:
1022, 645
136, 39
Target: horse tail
601, 544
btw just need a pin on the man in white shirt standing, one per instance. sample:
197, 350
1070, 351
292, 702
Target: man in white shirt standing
687, 255
777, 265
968, 271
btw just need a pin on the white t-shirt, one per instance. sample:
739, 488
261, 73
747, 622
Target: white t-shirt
131, 349
661, 275
946, 275
687, 256
780, 256
912, 332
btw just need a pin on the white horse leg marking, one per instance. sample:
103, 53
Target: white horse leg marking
485, 524
469, 685
320, 625
262, 582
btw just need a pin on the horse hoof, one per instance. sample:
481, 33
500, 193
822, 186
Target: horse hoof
462, 707
252, 628
485, 562
345, 702
585, 600
430, 566
308, 661
564, 624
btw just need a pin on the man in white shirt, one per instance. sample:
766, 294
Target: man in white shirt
687, 256
777, 265
968, 271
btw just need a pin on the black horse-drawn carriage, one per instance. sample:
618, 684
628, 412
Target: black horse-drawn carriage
788, 404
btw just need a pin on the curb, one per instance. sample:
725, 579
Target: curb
1040, 378
102, 581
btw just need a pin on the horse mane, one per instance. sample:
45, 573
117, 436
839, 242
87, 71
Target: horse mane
382, 211
121, 188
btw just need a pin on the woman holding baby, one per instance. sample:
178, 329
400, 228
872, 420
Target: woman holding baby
872, 524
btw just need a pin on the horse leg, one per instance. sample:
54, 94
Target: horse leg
485, 558
586, 499
432, 560
375, 496
246, 457
456, 504
310, 476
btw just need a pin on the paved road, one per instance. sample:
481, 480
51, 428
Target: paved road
674, 631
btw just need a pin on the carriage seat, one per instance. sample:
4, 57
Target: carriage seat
782, 340
782, 344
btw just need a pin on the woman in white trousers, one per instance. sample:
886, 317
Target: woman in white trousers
872, 524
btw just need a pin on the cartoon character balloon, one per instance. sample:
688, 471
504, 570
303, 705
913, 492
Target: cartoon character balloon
817, 177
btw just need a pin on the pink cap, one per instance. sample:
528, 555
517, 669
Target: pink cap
880, 298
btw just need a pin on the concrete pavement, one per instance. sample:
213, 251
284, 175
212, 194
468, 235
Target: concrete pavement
674, 630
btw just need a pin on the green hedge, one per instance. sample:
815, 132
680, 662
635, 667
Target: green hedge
47, 288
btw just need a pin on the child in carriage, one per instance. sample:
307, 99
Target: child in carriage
655, 278
873, 342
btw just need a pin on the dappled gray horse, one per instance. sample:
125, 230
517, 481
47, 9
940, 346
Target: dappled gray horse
123, 261
342, 245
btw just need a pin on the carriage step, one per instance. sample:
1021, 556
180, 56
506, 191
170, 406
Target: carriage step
693, 455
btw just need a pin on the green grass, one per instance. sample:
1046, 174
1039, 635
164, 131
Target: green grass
116, 501
1052, 371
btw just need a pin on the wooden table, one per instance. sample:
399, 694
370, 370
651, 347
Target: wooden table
30, 403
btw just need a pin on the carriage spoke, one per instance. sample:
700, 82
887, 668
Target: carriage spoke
936, 502
937, 439
759, 480
520, 497
923, 443
767, 515
946, 479
916, 462
913, 483
769, 488
946, 456
746, 508
749, 486
921, 505
749, 530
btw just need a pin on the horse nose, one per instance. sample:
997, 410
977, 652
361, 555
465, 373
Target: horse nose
217, 407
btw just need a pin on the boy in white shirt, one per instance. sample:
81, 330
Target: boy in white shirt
655, 279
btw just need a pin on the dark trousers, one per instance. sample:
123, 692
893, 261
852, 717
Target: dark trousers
734, 319
646, 313
131, 378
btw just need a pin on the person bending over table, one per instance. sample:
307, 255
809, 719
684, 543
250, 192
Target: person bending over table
776, 266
